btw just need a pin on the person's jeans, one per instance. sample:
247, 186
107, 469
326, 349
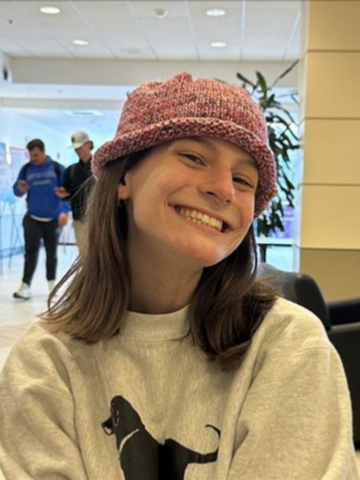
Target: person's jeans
34, 231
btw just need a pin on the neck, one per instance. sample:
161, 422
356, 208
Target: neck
159, 287
39, 163
86, 159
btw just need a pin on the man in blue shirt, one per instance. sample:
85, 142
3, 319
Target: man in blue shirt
46, 213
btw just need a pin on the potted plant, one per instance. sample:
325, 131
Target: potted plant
282, 140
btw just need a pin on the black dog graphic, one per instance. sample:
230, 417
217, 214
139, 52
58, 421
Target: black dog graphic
141, 456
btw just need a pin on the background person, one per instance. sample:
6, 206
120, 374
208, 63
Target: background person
77, 183
165, 358
46, 213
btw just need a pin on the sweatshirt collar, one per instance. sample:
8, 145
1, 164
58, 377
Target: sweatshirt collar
168, 326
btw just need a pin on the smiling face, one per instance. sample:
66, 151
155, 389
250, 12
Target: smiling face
191, 200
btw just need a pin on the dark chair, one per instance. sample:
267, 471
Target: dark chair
341, 320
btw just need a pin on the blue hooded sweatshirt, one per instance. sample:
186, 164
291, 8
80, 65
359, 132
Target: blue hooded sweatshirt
42, 200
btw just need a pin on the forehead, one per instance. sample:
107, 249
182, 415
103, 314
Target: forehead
216, 145
35, 151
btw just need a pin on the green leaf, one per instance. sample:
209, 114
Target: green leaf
282, 140
285, 72
287, 113
261, 82
245, 80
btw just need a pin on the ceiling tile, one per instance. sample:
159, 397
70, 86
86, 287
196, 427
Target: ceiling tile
131, 30
177, 50
45, 49
112, 16
147, 9
267, 29
230, 53
13, 50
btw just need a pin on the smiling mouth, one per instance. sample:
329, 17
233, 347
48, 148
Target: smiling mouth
202, 219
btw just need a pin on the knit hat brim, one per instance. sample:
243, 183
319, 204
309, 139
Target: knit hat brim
177, 128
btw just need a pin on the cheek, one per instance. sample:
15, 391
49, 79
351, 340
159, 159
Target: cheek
153, 190
247, 209
140, 212
144, 208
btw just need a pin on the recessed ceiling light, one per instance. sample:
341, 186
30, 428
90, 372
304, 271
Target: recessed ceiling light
161, 12
218, 44
50, 10
80, 42
215, 12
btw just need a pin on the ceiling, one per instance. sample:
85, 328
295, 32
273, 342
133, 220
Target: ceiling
52, 75
253, 30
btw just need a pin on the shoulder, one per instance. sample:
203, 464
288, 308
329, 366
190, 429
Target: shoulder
26, 167
58, 165
42, 358
72, 167
292, 342
288, 328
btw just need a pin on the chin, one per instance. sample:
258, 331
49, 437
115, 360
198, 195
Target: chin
206, 257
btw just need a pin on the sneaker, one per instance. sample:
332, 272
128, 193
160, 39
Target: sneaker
24, 292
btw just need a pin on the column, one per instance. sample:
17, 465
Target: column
328, 206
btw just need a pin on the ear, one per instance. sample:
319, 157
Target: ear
123, 192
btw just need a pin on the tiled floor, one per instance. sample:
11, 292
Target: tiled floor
16, 316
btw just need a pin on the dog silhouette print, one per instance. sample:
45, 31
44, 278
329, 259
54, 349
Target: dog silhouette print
141, 456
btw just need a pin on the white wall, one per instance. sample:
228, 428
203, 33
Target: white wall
60, 71
17, 131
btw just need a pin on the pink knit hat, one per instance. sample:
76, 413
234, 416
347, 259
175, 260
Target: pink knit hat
157, 112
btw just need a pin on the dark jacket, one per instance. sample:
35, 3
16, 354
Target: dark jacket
78, 181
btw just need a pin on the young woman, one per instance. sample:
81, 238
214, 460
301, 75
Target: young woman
165, 359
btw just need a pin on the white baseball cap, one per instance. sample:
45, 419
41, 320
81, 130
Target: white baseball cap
79, 138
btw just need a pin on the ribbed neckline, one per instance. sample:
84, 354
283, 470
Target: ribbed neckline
142, 326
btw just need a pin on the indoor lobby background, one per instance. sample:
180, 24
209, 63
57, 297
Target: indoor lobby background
71, 70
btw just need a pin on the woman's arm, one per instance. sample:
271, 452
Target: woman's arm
296, 420
38, 438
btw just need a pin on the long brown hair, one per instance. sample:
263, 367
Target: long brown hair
227, 307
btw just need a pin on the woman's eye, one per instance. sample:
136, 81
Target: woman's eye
243, 181
193, 158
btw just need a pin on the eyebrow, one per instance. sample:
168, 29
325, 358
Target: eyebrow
250, 162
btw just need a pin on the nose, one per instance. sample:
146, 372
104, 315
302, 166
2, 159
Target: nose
219, 186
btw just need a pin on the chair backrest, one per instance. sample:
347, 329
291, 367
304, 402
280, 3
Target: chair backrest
299, 288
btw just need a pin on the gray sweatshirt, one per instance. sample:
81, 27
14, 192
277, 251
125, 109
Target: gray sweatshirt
146, 405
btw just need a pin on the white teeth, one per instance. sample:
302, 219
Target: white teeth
200, 218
